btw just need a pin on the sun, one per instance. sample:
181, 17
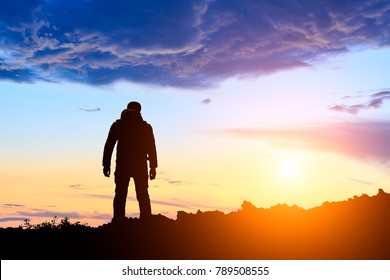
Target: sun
289, 168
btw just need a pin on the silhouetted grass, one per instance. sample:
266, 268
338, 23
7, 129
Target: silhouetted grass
64, 223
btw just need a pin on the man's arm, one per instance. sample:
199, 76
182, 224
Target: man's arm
152, 153
108, 149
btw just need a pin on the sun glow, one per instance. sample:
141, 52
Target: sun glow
289, 168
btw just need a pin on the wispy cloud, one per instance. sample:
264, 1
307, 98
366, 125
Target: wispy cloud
12, 205
194, 43
11, 219
20, 212
76, 186
375, 101
175, 182
61, 214
79, 187
364, 182
174, 202
98, 196
44, 213
179, 204
362, 140
206, 101
90, 110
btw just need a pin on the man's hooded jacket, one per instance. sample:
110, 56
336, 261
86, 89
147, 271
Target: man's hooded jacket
135, 146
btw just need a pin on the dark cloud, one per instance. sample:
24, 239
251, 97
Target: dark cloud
90, 110
361, 140
194, 43
375, 102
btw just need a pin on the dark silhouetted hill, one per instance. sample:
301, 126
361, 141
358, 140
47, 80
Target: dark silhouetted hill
358, 228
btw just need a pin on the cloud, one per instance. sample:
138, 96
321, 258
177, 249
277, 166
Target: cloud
72, 214
194, 43
375, 102
206, 101
168, 202
12, 205
79, 187
179, 204
90, 110
174, 202
354, 109
11, 219
44, 213
20, 213
364, 182
98, 196
76, 186
361, 140
175, 182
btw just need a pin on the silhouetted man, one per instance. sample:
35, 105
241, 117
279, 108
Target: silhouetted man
135, 146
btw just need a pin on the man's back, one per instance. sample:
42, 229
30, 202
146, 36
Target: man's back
135, 145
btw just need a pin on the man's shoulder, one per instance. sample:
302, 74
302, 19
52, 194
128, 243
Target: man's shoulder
147, 127
118, 124
146, 124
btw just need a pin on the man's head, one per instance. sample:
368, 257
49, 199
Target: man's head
130, 115
135, 106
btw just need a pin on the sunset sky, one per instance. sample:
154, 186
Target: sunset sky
265, 101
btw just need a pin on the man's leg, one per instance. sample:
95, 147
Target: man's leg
121, 187
141, 189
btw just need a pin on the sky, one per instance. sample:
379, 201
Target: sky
265, 101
